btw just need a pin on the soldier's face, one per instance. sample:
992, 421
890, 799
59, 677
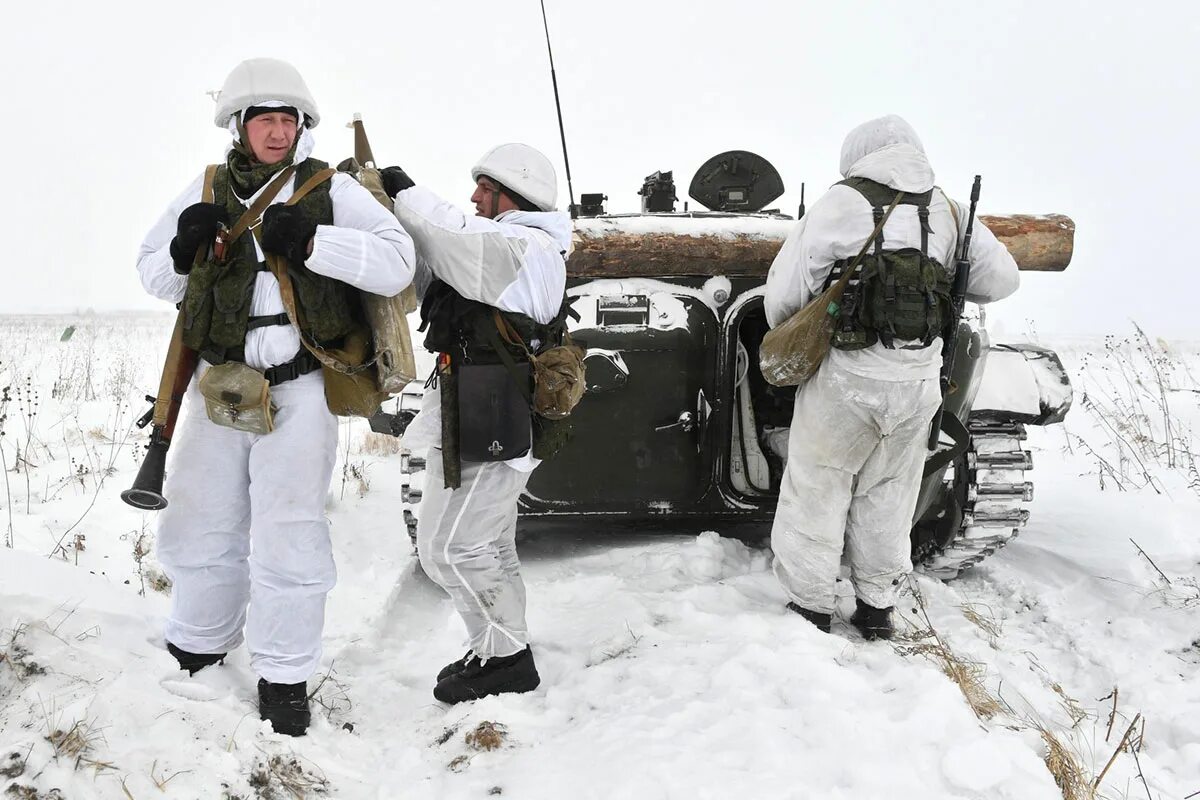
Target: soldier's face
271, 136
489, 201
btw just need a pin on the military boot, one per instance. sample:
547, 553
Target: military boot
454, 667
285, 705
873, 623
194, 662
479, 678
823, 621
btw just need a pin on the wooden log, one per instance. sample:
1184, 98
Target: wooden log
642, 246
1038, 243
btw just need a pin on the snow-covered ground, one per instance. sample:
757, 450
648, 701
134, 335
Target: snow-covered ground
669, 666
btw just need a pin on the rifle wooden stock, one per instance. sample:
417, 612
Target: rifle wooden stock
146, 492
177, 373
362, 147
387, 316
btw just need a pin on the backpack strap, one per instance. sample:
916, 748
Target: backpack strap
927, 289
208, 194
502, 330
279, 269
878, 194
253, 214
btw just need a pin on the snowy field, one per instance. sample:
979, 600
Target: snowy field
670, 668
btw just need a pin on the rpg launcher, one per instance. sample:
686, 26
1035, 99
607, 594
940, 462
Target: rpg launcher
146, 492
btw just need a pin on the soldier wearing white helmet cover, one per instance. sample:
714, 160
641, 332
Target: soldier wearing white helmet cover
244, 539
510, 258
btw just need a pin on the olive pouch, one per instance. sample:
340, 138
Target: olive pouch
238, 396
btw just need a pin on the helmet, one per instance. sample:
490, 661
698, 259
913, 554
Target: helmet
259, 80
524, 170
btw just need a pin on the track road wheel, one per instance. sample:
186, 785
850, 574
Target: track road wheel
413, 467
983, 507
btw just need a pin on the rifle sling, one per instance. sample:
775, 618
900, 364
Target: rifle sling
167, 402
251, 216
495, 333
878, 231
287, 291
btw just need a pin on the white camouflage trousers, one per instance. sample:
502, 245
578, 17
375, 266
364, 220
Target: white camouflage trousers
244, 538
855, 454
466, 539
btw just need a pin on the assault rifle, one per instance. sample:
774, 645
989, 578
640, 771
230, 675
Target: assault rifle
146, 492
958, 298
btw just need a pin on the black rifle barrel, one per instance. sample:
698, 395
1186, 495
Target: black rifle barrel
958, 299
558, 107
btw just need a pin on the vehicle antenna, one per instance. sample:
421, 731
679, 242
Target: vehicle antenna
558, 106
800, 214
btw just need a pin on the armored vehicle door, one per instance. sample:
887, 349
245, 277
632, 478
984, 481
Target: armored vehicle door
636, 445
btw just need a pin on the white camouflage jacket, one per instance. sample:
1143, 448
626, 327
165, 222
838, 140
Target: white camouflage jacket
836, 227
516, 262
365, 247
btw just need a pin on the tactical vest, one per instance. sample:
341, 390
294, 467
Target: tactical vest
466, 331
217, 303
900, 294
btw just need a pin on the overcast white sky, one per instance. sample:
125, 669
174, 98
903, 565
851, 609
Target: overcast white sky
1083, 108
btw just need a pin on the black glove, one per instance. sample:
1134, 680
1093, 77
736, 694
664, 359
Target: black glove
395, 181
286, 232
197, 225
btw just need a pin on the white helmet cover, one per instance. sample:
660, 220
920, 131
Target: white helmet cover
258, 80
524, 170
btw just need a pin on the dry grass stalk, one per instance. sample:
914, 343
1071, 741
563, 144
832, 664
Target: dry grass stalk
1066, 767
969, 676
278, 773
984, 619
379, 444
1151, 560
332, 695
18, 657
1070, 705
1112, 715
76, 741
162, 780
487, 736
1120, 747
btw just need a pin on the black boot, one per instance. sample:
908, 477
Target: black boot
454, 667
194, 662
873, 623
285, 705
823, 621
477, 678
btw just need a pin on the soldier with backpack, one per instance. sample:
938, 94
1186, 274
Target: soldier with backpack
266, 254
495, 307
857, 441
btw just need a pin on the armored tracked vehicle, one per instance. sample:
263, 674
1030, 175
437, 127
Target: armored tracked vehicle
677, 425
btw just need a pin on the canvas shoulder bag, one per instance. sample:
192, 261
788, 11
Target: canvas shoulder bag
792, 352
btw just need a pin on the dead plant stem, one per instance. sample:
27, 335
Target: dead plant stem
1151, 560
1112, 717
1113, 757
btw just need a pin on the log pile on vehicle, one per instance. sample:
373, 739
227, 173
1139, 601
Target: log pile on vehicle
684, 245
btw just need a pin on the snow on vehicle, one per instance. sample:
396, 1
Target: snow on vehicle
676, 427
